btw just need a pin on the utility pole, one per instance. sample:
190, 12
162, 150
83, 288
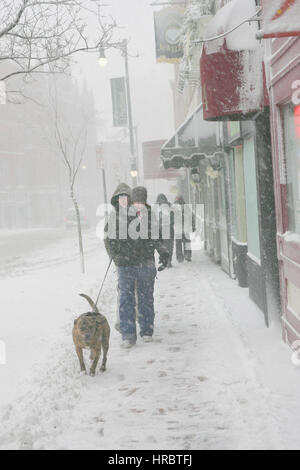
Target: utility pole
104, 189
138, 166
133, 166
123, 46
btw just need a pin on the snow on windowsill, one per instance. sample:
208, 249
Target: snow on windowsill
291, 237
234, 240
254, 258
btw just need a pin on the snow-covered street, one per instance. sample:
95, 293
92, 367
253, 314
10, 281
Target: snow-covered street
214, 377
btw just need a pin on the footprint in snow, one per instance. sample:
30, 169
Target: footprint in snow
131, 392
99, 420
163, 374
135, 410
174, 349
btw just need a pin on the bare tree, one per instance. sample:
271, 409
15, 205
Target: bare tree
71, 142
36, 33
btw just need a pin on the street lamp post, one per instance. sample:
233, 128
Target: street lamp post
104, 189
130, 120
103, 61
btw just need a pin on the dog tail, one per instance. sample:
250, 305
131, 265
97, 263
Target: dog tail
91, 302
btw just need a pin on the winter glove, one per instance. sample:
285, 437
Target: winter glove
163, 261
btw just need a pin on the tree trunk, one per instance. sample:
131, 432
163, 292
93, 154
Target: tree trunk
79, 230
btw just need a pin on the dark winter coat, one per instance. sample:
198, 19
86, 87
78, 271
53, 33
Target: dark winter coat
165, 216
134, 251
180, 202
143, 249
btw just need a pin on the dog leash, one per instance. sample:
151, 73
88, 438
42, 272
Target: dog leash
103, 281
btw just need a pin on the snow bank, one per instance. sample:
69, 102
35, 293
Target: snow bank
214, 377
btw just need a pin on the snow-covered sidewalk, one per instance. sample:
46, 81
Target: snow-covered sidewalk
214, 377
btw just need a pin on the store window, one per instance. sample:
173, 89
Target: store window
291, 118
293, 298
239, 198
233, 195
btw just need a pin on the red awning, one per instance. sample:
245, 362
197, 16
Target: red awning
231, 66
281, 18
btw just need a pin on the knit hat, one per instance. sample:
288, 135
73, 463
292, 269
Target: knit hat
139, 194
180, 200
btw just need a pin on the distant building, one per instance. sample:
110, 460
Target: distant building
33, 179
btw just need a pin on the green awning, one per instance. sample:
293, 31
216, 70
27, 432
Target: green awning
193, 141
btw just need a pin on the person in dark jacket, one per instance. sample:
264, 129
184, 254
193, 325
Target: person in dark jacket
121, 201
165, 217
182, 229
135, 261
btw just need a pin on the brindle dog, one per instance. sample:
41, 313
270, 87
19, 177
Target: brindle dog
91, 331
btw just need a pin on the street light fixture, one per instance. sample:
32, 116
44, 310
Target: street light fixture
134, 173
102, 58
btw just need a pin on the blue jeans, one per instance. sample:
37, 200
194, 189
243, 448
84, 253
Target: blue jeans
136, 287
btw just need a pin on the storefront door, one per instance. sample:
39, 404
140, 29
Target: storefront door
251, 200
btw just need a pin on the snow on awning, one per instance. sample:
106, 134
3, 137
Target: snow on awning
193, 141
227, 18
281, 18
232, 66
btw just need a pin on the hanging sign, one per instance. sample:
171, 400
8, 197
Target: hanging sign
167, 23
119, 102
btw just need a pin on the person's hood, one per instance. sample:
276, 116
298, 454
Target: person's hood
162, 199
179, 200
122, 189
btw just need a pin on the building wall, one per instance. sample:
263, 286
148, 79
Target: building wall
33, 179
284, 72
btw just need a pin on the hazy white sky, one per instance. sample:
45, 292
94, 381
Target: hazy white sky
150, 82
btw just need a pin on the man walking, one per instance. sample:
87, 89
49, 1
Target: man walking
184, 222
165, 218
137, 271
117, 248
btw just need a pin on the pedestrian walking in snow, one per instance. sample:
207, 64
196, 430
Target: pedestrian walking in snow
184, 224
137, 271
165, 217
115, 246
